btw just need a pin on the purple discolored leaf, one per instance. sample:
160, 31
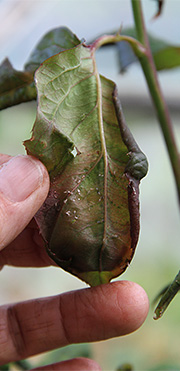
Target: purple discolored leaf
90, 220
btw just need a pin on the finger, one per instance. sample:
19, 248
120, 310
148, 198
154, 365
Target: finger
77, 364
24, 184
86, 315
4, 158
27, 250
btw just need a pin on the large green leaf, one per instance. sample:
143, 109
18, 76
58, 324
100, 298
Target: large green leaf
90, 220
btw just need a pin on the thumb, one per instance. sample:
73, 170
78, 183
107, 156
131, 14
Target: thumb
24, 185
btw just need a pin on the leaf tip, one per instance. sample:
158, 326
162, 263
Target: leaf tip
95, 278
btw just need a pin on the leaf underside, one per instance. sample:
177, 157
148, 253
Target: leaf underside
54, 42
18, 86
90, 220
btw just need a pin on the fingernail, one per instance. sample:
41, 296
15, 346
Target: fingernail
20, 177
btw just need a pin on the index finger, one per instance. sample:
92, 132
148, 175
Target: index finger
86, 315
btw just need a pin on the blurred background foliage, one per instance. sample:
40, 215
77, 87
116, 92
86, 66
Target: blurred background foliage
156, 345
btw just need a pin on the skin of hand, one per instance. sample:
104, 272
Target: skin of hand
86, 315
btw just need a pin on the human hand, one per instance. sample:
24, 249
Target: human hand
35, 326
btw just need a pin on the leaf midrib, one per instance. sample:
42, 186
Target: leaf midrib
104, 152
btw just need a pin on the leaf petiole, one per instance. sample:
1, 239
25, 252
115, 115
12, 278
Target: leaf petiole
137, 47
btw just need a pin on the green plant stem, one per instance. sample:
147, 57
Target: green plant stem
167, 297
150, 73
